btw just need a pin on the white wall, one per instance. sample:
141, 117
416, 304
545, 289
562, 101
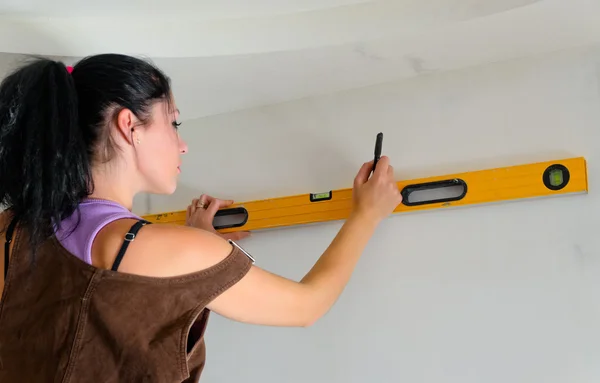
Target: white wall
495, 294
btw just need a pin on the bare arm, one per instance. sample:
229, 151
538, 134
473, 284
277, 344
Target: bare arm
264, 298
261, 297
267, 299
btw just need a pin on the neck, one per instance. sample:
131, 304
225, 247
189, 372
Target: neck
113, 185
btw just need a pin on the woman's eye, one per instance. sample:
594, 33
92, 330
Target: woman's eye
176, 124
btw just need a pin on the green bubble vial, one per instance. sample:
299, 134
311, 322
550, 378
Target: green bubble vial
316, 197
556, 177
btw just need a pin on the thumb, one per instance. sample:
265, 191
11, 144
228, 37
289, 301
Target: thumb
236, 236
363, 173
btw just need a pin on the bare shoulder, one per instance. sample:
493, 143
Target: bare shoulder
159, 250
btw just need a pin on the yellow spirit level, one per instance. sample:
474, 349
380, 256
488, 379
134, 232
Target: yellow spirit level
542, 179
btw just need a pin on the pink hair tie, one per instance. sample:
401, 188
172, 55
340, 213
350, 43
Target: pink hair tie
70, 69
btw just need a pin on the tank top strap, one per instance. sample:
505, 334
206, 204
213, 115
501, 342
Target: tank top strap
77, 232
129, 237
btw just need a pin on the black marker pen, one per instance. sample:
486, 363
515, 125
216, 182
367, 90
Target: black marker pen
378, 144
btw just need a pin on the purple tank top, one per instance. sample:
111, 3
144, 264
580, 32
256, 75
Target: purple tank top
77, 232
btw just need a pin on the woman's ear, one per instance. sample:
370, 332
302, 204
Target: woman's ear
125, 123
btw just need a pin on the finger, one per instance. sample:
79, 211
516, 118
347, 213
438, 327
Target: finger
236, 236
213, 207
225, 202
363, 173
240, 235
382, 166
205, 199
202, 202
243, 234
217, 204
197, 204
188, 215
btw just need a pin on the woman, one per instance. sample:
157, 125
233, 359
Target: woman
91, 291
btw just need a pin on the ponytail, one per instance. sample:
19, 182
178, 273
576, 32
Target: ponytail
44, 165
55, 125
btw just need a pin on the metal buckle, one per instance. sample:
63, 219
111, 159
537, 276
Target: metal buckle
129, 237
242, 250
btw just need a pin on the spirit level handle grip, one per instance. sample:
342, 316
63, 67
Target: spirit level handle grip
240, 212
450, 185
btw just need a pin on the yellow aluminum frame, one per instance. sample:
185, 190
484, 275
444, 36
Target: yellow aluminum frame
482, 186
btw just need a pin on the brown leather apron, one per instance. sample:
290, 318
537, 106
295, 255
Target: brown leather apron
62, 320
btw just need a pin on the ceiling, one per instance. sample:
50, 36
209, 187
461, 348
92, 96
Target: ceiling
225, 55
202, 9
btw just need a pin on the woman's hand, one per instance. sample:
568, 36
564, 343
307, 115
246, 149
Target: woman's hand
376, 196
201, 213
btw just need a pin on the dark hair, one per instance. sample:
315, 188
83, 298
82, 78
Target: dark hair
54, 127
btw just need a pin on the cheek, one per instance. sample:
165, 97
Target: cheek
161, 151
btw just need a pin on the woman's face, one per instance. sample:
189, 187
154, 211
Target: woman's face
160, 149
